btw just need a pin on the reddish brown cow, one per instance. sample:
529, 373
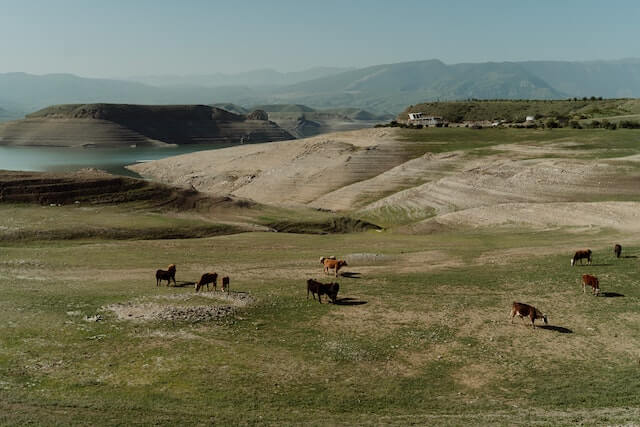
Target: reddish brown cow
225, 283
580, 255
589, 280
526, 310
333, 264
207, 278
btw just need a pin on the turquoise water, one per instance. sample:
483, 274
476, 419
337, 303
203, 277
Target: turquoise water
112, 160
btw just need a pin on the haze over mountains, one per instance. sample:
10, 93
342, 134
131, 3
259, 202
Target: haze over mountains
264, 77
380, 88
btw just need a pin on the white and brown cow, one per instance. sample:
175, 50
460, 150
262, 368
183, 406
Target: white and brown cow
526, 310
589, 280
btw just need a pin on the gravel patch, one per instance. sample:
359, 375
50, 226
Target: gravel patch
160, 307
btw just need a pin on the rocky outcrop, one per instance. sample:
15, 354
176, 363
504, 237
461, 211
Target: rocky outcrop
258, 115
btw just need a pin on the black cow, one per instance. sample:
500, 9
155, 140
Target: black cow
329, 289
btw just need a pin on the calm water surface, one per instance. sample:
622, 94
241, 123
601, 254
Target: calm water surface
111, 160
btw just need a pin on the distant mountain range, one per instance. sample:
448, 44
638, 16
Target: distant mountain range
256, 78
381, 88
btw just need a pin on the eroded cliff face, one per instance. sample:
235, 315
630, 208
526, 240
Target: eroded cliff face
125, 125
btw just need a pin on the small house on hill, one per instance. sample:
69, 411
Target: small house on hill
424, 120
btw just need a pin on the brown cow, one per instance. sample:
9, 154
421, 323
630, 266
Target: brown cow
330, 289
168, 275
526, 310
333, 264
589, 280
580, 255
225, 283
617, 249
207, 278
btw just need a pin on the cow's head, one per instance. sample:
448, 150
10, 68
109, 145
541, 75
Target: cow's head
573, 260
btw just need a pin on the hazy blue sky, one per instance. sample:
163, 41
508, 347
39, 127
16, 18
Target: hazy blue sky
114, 38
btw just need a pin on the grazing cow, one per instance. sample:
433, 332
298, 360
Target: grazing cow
330, 289
168, 275
617, 249
334, 264
326, 257
526, 310
580, 255
589, 280
207, 278
225, 283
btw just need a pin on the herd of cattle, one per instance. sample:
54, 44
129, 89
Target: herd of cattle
314, 287
331, 289
207, 278
525, 310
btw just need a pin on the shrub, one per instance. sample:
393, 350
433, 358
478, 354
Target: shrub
629, 124
551, 124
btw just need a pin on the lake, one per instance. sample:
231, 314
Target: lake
113, 160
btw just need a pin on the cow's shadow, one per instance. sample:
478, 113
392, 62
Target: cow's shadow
629, 256
611, 294
595, 265
349, 301
559, 329
183, 284
351, 275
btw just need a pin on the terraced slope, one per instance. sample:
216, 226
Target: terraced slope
125, 125
284, 173
415, 178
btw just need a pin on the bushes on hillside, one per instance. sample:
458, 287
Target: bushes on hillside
629, 124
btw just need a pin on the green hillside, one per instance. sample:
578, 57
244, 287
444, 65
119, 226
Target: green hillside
458, 111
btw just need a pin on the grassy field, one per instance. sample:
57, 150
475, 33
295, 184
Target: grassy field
586, 143
422, 336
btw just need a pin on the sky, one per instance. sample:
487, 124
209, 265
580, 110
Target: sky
122, 38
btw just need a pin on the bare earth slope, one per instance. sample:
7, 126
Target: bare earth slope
535, 179
125, 125
283, 173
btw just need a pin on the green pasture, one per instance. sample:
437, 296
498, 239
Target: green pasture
422, 336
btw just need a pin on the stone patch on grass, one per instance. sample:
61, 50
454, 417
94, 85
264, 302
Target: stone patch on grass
181, 307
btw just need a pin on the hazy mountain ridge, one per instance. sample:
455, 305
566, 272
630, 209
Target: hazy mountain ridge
380, 88
254, 78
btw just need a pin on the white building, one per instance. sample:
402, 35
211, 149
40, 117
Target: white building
421, 119
529, 118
